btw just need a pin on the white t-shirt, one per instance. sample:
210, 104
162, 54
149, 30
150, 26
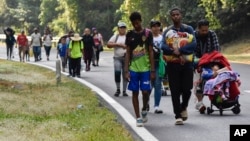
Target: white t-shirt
36, 39
157, 41
47, 41
118, 51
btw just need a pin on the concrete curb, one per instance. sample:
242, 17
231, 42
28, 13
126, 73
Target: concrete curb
142, 132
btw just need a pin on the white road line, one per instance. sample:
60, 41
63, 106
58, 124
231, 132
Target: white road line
247, 91
131, 121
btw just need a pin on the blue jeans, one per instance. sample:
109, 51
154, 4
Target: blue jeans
157, 85
36, 52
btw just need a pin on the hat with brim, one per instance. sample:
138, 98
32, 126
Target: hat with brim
76, 37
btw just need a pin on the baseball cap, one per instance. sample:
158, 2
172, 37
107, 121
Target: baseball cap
121, 24
153, 23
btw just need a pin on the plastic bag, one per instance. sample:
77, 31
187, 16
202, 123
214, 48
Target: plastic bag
162, 65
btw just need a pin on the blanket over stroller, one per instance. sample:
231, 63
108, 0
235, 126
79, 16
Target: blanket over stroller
229, 77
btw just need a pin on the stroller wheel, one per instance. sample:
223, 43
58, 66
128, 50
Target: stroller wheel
236, 110
209, 110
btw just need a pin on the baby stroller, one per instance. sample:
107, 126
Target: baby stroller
226, 82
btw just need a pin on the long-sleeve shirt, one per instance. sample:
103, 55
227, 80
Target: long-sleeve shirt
206, 44
10, 39
207, 73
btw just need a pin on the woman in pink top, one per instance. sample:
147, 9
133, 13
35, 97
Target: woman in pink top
98, 41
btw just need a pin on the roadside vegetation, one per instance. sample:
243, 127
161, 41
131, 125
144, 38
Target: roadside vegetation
238, 51
33, 107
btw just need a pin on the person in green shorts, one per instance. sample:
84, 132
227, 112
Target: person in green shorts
139, 65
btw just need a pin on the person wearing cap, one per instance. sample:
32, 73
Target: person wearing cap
36, 43
157, 83
117, 41
98, 40
75, 53
22, 42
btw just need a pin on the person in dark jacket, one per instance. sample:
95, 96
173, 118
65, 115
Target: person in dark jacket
88, 42
10, 41
180, 72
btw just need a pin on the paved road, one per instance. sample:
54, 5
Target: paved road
197, 128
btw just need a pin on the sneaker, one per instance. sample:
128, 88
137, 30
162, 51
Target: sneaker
158, 111
184, 115
179, 121
201, 107
124, 93
117, 93
139, 122
144, 116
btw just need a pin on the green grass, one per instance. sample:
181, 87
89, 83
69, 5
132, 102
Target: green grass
34, 107
238, 51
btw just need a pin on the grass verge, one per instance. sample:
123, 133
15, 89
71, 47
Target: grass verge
238, 51
33, 107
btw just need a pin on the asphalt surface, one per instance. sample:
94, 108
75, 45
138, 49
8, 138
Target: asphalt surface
198, 127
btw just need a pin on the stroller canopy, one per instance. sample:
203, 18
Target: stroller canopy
213, 57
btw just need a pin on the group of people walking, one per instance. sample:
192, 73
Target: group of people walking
23, 44
137, 62
138, 55
73, 47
